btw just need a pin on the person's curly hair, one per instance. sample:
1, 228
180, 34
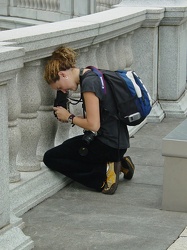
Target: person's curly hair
62, 58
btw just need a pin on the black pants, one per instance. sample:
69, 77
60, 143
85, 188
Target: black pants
89, 170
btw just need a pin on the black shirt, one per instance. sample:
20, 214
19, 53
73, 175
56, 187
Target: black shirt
111, 132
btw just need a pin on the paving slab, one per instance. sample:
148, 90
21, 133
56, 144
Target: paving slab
78, 218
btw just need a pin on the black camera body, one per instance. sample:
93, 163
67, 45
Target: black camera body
88, 136
61, 100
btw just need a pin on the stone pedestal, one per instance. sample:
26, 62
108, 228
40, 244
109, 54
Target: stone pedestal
175, 169
4, 4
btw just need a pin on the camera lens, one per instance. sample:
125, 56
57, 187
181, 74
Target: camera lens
83, 151
88, 137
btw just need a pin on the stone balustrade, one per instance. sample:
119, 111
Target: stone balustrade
119, 38
48, 10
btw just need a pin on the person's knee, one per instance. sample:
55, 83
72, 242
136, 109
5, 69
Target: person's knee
47, 159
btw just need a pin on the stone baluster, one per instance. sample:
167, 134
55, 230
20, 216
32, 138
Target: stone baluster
20, 3
91, 58
48, 5
36, 4
128, 50
101, 55
39, 4
45, 115
14, 110
31, 4
4, 191
57, 5
111, 54
77, 110
106, 4
124, 51
43, 4
121, 52
62, 133
54, 4
28, 122
27, 4
82, 59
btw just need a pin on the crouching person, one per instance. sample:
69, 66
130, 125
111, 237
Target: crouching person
96, 157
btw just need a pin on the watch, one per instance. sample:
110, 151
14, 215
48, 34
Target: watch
70, 118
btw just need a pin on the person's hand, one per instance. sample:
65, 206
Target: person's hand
61, 113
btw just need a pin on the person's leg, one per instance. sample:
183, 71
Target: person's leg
89, 170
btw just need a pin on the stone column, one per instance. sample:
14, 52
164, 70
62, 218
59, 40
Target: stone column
4, 7
14, 110
46, 117
28, 122
124, 51
111, 54
102, 55
145, 51
91, 55
172, 62
11, 236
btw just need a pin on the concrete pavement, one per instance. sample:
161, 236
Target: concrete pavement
77, 218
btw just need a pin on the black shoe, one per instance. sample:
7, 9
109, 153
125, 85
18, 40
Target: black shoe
127, 167
112, 178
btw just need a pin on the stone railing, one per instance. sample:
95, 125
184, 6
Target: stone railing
50, 10
21, 13
119, 38
106, 4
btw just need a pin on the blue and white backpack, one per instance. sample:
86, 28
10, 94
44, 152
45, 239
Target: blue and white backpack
133, 102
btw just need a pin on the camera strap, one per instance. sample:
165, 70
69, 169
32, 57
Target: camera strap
81, 72
73, 101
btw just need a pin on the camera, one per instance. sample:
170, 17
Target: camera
61, 100
88, 136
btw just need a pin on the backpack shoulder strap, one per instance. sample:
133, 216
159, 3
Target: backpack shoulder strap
100, 75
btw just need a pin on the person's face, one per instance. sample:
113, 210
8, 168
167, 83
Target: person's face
63, 84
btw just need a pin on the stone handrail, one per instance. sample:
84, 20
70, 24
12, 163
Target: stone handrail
113, 39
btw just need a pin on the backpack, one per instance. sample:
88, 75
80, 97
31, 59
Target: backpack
133, 102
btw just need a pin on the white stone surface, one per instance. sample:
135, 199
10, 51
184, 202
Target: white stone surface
154, 3
15, 239
179, 244
176, 108
3, 7
175, 169
33, 188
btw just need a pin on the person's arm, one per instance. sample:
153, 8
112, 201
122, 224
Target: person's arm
91, 121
